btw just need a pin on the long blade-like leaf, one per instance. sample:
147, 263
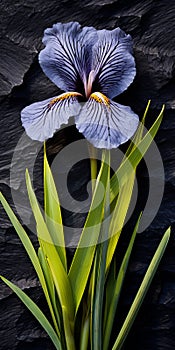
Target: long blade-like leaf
53, 212
50, 286
35, 310
118, 217
139, 131
122, 181
113, 290
83, 257
99, 274
84, 335
132, 160
63, 285
47, 274
31, 253
142, 291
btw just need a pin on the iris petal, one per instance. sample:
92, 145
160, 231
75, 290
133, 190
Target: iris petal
42, 119
66, 59
104, 123
113, 62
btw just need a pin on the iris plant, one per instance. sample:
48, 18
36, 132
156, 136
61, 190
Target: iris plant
92, 66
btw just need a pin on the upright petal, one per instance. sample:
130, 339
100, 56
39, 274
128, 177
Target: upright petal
66, 59
104, 123
42, 119
113, 62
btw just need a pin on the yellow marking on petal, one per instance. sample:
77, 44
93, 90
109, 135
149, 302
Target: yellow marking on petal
99, 97
63, 96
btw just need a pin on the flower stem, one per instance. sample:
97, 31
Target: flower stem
93, 164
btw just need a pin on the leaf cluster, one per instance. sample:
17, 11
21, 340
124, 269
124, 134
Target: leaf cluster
83, 299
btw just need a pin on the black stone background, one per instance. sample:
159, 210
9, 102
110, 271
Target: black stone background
152, 26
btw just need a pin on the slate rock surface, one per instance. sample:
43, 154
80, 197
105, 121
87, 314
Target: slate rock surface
152, 25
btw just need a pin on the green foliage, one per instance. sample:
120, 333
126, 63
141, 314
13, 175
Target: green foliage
34, 309
113, 289
142, 291
88, 293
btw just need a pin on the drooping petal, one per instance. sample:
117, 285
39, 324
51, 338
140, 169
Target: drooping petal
113, 62
104, 123
66, 59
42, 119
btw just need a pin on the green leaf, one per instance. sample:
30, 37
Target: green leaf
122, 181
50, 286
137, 153
34, 309
31, 253
52, 209
113, 290
84, 335
142, 291
68, 330
118, 217
61, 280
47, 274
98, 275
84, 255
139, 132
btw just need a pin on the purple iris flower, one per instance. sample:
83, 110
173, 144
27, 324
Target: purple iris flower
92, 66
